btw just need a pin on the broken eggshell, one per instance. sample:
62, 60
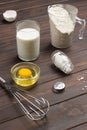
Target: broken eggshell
62, 61
10, 15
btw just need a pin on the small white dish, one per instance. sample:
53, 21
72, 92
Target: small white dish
58, 87
10, 15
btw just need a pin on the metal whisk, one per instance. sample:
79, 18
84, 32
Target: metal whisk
33, 107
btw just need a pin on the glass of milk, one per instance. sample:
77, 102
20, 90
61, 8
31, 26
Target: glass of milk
28, 40
62, 19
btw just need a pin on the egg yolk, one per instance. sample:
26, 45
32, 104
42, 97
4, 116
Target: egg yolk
24, 73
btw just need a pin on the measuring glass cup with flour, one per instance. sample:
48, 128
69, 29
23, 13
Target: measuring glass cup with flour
28, 40
62, 19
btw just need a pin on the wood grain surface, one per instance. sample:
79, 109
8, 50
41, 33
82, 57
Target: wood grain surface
68, 110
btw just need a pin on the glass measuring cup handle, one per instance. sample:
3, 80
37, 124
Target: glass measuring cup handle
83, 23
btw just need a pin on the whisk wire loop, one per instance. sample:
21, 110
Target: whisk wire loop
33, 107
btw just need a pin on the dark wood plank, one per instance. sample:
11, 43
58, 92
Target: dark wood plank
63, 116
29, 7
80, 127
71, 92
68, 109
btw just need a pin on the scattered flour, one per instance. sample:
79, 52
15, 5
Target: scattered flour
81, 78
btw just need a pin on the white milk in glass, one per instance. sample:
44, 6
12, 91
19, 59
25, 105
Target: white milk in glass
28, 44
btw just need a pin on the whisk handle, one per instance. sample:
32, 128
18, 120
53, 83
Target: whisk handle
6, 86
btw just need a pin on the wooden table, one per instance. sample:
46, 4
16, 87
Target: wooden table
68, 110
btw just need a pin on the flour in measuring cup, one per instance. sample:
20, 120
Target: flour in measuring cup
61, 26
61, 19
